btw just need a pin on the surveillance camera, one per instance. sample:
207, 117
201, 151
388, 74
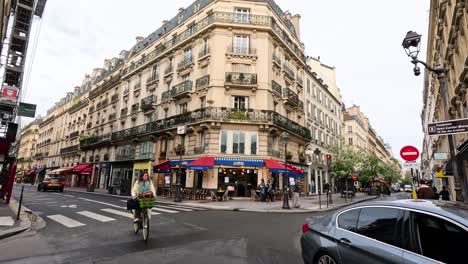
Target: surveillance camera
417, 70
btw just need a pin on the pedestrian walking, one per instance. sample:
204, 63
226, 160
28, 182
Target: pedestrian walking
262, 188
445, 194
436, 194
424, 191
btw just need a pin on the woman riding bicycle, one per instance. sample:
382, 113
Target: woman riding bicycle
143, 187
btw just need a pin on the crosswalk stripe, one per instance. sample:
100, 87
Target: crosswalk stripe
155, 213
172, 207
67, 195
164, 210
117, 212
6, 221
108, 204
68, 222
95, 216
176, 206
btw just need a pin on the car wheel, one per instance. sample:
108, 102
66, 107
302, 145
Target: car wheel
325, 259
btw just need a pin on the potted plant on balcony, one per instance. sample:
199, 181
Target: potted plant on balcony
179, 149
288, 155
229, 78
238, 114
210, 103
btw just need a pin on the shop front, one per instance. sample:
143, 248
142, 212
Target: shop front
121, 179
83, 174
31, 176
104, 176
66, 173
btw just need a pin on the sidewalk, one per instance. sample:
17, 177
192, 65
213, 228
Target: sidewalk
307, 203
9, 226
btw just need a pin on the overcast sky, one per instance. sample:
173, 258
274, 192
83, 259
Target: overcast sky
361, 38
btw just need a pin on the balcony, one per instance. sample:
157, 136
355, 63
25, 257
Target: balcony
91, 109
152, 82
239, 51
105, 86
137, 86
252, 21
205, 51
70, 150
276, 87
199, 150
187, 63
74, 134
213, 114
276, 60
125, 153
148, 103
114, 98
182, 89
299, 81
166, 96
288, 72
241, 79
123, 113
95, 141
202, 82
126, 91
291, 97
77, 106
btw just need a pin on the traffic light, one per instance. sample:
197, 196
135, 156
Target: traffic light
329, 160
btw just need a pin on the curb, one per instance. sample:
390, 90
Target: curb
26, 219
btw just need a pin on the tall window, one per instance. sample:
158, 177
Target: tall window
308, 85
223, 141
242, 15
350, 141
241, 44
183, 108
238, 142
240, 102
154, 71
146, 150
240, 67
202, 102
350, 129
166, 111
188, 54
253, 143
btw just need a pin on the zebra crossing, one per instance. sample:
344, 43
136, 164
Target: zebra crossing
111, 213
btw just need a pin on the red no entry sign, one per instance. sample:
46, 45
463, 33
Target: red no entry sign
409, 153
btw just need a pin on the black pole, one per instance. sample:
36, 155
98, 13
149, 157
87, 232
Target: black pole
346, 184
178, 199
285, 179
320, 191
20, 202
331, 188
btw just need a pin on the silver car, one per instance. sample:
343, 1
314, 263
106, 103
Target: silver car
403, 231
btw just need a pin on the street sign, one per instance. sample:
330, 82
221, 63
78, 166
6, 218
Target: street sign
440, 156
456, 126
409, 153
180, 130
9, 94
354, 177
27, 110
411, 165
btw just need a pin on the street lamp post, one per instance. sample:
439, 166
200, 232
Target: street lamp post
178, 198
412, 44
285, 137
317, 152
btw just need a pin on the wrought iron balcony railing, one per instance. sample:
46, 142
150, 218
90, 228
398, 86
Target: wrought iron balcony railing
202, 82
203, 52
276, 87
166, 96
241, 78
240, 50
182, 88
187, 62
291, 96
95, 141
276, 59
288, 71
70, 149
148, 102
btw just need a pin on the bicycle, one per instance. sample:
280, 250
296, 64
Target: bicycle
143, 224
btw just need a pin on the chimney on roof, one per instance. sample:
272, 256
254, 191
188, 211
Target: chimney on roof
165, 21
181, 10
295, 22
139, 39
76, 90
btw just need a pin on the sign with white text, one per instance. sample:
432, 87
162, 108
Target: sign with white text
456, 126
440, 156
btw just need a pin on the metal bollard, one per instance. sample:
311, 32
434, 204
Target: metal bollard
20, 202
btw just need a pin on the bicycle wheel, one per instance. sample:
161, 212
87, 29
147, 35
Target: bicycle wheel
136, 226
145, 222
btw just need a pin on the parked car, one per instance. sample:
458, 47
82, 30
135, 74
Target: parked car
401, 231
408, 188
51, 183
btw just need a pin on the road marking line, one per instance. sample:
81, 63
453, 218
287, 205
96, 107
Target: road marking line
117, 212
154, 213
171, 207
108, 204
67, 195
42, 199
164, 210
123, 201
6, 221
95, 216
187, 207
68, 222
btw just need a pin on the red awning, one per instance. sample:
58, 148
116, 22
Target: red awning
275, 166
163, 167
204, 163
86, 168
294, 169
31, 171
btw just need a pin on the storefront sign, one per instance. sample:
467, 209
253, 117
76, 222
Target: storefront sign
9, 94
239, 163
440, 156
104, 165
226, 179
292, 181
456, 126
167, 180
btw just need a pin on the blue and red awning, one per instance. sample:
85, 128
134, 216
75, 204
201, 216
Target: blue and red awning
204, 163
85, 169
275, 166
163, 167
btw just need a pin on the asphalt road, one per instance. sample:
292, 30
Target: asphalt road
87, 228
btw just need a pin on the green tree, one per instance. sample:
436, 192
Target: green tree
407, 179
345, 160
372, 167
